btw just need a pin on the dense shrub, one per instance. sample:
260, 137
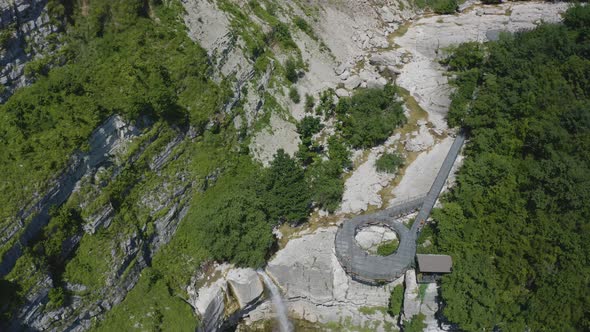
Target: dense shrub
309, 126
387, 248
517, 223
286, 194
369, 117
294, 95
291, 71
389, 162
309, 103
396, 300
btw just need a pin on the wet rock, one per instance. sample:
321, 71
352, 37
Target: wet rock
245, 285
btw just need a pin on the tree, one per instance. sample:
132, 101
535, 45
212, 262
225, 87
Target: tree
517, 224
234, 226
369, 117
285, 190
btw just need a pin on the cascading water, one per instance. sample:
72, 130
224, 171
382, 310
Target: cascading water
277, 300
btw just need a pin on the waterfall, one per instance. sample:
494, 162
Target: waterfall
279, 305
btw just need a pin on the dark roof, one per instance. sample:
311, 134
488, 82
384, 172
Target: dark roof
434, 263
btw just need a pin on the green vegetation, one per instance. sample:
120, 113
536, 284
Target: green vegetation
5, 37
369, 117
152, 306
294, 95
291, 70
309, 103
389, 162
416, 324
439, 6
305, 27
387, 248
517, 223
396, 300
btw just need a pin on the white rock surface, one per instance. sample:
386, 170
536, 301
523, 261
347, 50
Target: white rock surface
411, 296
429, 307
428, 36
420, 174
281, 135
209, 304
317, 289
245, 285
363, 186
420, 141
369, 238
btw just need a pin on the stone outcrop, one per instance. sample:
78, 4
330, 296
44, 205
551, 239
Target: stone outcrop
281, 134
317, 289
105, 142
27, 25
220, 303
421, 140
245, 285
411, 296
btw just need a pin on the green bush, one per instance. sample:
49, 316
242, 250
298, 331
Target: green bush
327, 184
416, 324
396, 300
444, 6
309, 126
305, 27
294, 95
309, 103
5, 37
369, 117
286, 194
326, 106
387, 248
389, 163
439, 6
291, 71
465, 57
57, 298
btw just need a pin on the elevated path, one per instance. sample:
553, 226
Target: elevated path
373, 269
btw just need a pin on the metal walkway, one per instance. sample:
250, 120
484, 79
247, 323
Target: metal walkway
373, 269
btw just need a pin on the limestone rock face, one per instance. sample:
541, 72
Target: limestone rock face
245, 285
411, 296
281, 135
421, 141
209, 302
317, 289
30, 25
221, 302
428, 37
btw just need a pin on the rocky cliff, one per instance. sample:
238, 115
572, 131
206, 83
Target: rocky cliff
27, 32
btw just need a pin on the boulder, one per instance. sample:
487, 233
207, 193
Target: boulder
210, 306
352, 82
385, 59
342, 93
376, 83
387, 15
245, 285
